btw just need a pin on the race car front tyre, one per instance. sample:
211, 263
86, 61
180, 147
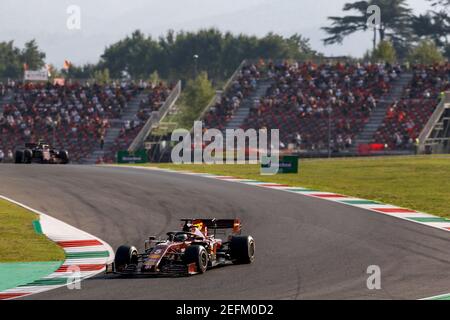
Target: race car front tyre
18, 157
64, 156
197, 255
125, 255
242, 249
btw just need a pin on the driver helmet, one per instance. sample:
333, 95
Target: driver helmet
180, 237
187, 227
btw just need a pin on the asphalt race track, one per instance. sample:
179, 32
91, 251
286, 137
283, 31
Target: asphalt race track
305, 248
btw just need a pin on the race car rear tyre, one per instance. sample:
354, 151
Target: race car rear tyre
18, 157
197, 255
125, 255
27, 156
242, 249
64, 156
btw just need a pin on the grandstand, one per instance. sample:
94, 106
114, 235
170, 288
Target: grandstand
73, 116
407, 117
306, 98
350, 109
435, 137
92, 122
339, 108
129, 125
242, 87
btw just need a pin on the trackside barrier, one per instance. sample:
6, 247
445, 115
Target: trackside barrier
155, 118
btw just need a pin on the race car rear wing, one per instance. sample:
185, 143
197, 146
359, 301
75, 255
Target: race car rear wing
217, 224
31, 145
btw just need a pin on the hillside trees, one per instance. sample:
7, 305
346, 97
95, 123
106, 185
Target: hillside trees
13, 59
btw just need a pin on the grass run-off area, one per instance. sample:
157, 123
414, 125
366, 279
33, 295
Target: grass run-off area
19, 242
421, 183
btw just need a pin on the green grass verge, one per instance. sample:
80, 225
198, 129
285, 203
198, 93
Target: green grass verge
19, 241
421, 183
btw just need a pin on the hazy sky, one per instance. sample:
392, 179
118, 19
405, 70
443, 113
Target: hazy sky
106, 21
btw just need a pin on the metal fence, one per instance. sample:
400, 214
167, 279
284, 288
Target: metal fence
434, 119
155, 118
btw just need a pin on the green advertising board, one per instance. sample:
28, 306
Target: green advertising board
286, 164
139, 156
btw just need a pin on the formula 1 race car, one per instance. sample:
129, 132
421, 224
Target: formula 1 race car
190, 251
41, 153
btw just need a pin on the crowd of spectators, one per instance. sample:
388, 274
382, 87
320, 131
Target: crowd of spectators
6, 87
73, 116
154, 100
3, 90
406, 118
428, 81
306, 100
157, 95
242, 86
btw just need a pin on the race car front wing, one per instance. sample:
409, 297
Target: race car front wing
165, 271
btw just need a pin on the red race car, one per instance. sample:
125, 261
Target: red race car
192, 250
41, 152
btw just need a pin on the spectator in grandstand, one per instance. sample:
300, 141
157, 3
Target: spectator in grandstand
102, 142
9, 155
398, 139
2, 155
298, 139
2, 90
127, 125
348, 142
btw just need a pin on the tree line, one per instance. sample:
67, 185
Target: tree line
14, 60
401, 35
399, 27
185, 54
176, 55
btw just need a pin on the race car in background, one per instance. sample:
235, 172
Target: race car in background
40, 152
192, 250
